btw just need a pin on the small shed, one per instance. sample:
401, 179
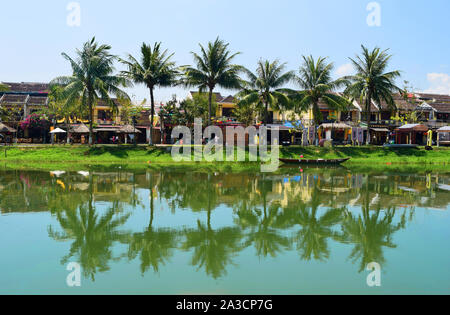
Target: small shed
379, 136
335, 131
411, 134
443, 136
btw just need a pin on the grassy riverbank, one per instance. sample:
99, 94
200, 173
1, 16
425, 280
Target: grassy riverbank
77, 157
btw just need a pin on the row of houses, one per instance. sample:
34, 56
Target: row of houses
430, 110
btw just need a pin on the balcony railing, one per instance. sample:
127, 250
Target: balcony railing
105, 121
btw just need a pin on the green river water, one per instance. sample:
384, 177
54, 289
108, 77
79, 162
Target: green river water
174, 232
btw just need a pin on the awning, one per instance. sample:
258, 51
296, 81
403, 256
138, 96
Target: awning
444, 129
335, 126
380, 129
57, 130
413, 127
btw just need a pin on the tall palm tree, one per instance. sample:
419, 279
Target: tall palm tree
155, 69
371, 83
214, 68
263, 89
317, 84
92, 79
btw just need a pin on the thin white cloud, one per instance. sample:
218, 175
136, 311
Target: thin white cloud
439, 83
344, 70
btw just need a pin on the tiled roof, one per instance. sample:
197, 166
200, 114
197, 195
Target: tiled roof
37, 100
218, 96
11, 99
400, 102
14, 99
228, 99
441, 107
28, 87
20, 94
103, 103
436, 97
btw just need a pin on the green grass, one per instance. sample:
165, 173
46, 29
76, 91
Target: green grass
46, 157
372, 155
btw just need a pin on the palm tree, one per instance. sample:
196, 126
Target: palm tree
263, 89
317, 84
371, 83
92, 79
155, 69
4, 87
213, 68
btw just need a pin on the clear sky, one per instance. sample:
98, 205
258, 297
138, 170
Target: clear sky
34, 33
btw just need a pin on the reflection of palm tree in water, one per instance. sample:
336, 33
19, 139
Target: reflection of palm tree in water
155, 246
213, 249
370, 232
312, 239
264, 224
92, 235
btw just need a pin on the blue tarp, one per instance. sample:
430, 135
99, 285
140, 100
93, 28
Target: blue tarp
298, 125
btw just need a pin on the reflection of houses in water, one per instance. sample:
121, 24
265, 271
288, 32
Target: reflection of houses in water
299, 186
380, 192
35, 191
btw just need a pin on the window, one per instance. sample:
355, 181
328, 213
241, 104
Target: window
104, 115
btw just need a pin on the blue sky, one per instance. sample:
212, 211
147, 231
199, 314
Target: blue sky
34, 33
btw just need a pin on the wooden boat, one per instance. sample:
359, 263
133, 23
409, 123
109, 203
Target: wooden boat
315, 162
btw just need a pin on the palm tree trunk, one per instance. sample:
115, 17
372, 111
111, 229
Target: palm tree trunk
209, 220
152, 100
368, 103
317, 117
152, 209
91, 123
134, 131
317, 114
68, 132
210, 106
266, 119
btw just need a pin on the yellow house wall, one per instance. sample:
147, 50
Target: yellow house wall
220, 106
116, 117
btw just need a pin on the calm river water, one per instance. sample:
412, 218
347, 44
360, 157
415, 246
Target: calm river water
174, 232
